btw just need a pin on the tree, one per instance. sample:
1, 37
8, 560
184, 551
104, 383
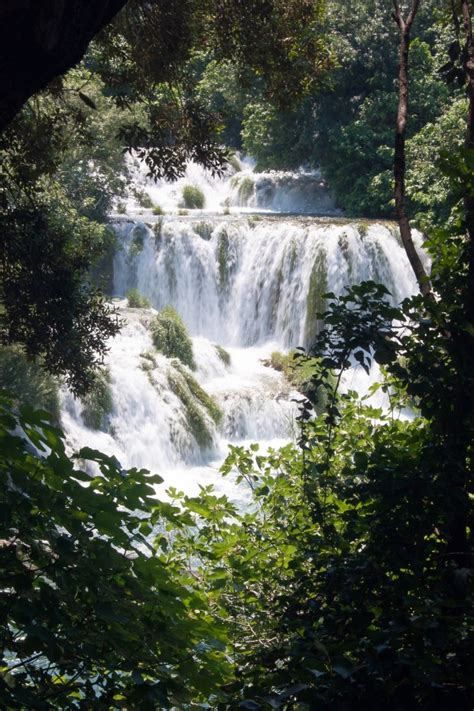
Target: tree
405, 25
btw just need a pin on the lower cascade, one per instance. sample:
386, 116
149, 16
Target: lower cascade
244, 286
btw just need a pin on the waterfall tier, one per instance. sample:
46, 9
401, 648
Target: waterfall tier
239, 189
243, 282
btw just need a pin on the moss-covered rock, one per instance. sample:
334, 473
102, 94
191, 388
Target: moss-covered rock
234, 163
315, 303
148, 361
139, 234
98, 403
203, 229
170, 336
157, 230
245, 190
136, 300
201, 410
193, 197
223, 354
223, 258
27, 382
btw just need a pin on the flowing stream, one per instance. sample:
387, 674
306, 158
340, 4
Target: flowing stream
247, 274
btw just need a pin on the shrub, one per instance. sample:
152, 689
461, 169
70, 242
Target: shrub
27, 382
136, 300
171, 337
193, 197
157, 210
299, 368
98, 402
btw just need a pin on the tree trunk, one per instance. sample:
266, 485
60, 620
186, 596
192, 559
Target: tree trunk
42, 39
469, 198
400, 140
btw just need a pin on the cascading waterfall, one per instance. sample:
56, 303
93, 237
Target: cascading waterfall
245, 281
250, 283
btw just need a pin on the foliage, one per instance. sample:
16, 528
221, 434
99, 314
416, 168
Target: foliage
97, 404
28, 381
93, 616
142, 197
299, 368
136, 300
346, 580
49, 212
165, 48
279, 139
193, 197
171, 338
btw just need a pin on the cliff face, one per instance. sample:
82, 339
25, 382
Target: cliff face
41, 39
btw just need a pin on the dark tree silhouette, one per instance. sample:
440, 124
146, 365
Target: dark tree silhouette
42, 39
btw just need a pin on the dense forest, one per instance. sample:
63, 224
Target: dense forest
346, 581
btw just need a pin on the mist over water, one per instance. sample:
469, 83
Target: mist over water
250, 283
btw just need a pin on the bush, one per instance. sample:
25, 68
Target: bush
98, 403
299, 368
27, 382
193, 197
85, 609
142, 198
157, 210
171, 337
136, 300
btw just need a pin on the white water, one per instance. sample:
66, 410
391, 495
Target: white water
239, 190
250, 285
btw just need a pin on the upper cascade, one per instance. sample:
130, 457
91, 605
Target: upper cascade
239, 189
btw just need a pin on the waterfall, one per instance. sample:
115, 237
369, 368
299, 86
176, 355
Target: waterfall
244, 282
239, 189
250, 283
